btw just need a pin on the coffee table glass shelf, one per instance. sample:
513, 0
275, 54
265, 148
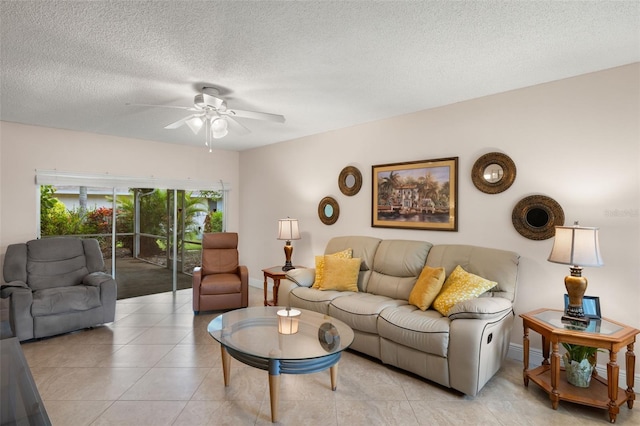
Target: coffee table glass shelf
603, 334
251, 336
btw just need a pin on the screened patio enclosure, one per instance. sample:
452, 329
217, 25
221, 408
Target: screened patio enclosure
150, 236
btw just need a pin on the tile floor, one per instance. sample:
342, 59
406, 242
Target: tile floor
156, 365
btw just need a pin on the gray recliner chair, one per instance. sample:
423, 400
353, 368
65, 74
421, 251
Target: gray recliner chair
57, 285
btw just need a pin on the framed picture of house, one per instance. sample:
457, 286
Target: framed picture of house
416, 195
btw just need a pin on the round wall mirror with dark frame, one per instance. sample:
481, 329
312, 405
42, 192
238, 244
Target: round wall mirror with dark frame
493, 173
536, 216
350, 181
328, 210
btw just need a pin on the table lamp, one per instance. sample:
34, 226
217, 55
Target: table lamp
288, 230
576, 246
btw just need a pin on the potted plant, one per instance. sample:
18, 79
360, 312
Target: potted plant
579, 362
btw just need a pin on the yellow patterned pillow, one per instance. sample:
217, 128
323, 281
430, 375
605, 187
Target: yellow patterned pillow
344, 254
427, 287
459, 287
340, 274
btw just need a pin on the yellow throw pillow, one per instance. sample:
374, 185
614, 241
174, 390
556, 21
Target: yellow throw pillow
340, 274
344, 254
427, 287
459, 287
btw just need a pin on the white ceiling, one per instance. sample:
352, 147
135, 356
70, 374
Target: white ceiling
324, 65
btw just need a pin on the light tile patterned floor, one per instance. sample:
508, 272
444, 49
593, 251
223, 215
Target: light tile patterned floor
156, 365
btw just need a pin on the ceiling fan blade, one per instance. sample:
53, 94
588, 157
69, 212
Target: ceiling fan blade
180, 122
255, 115
165, 106
236, 126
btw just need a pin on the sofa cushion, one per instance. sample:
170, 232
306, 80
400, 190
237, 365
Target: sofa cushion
360, 310
426, 331
363, 248
460, 286
427, 287
396, 267
220, 284
340, 274
59, 300
55, 262
496, 265
320, 262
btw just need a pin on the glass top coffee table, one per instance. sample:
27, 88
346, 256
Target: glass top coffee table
251, 336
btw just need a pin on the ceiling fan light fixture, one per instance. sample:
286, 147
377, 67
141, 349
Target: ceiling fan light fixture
195, 124
219, 128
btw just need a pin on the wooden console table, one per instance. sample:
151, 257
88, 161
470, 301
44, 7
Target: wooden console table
604, 334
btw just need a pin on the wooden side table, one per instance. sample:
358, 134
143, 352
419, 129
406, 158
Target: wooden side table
604, 334
276, 274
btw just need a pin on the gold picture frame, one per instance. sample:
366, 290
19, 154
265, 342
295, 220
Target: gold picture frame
416, 195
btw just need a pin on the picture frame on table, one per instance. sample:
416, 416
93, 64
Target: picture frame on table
416, 195
590, 306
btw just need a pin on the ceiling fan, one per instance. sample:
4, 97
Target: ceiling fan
210, 111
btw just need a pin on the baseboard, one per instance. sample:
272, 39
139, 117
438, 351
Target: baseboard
516, 352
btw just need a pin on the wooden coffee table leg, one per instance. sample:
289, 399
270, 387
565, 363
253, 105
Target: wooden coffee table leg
274, 395
334, 376
226, 365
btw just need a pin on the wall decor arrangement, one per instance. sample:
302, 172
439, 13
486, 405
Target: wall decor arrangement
350, 181
328, 210
493, 173
416, 195
536, 216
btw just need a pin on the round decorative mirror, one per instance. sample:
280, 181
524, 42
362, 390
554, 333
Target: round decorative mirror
350, 180
493, 173
328, 210
535, 217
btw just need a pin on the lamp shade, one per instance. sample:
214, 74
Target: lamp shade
577, 246
288, 229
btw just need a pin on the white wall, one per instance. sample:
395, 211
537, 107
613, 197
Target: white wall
23, 149
575, 140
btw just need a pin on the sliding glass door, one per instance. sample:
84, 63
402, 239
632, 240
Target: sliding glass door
156, 240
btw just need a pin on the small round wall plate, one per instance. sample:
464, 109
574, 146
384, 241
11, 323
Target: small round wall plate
328, 210
350, 181
536, 216
493, 173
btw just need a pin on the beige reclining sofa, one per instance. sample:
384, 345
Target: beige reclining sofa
461, 350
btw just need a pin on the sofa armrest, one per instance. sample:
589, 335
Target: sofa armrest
480, 308
20, 317
304, 277
283, 292
7, 289
96, 279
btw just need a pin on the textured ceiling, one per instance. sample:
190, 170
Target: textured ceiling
324, 65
